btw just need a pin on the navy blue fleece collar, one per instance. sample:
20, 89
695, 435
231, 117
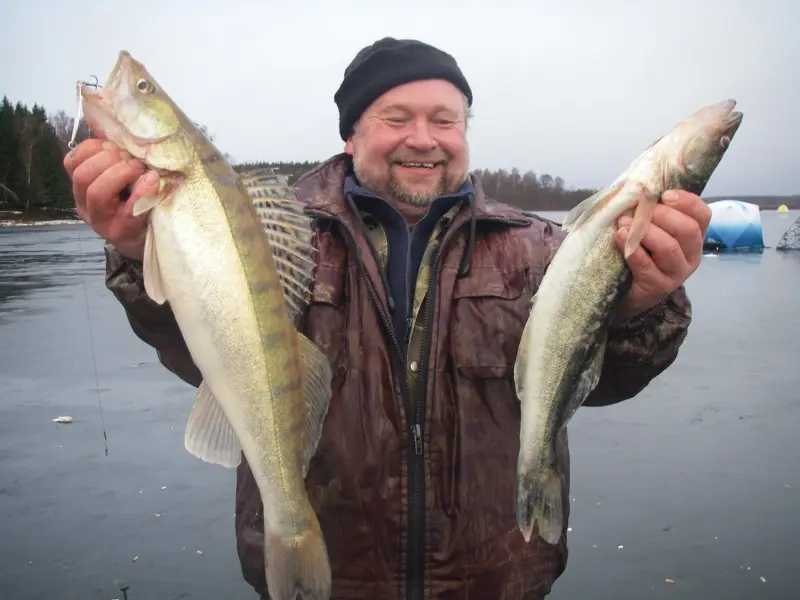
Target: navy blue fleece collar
406, 245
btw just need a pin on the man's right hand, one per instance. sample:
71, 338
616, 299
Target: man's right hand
100, 172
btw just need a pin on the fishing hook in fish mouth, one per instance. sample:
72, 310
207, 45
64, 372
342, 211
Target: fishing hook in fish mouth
79, 116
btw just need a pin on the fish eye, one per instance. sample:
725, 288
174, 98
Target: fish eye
724, 141
145, 86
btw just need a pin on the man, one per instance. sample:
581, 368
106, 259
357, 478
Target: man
421, 292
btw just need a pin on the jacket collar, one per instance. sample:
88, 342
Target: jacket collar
322, 190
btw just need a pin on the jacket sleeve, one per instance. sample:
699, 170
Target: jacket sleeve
638, 350
154, 324
641, 349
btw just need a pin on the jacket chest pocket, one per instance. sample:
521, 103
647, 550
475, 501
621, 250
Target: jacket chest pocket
489, 312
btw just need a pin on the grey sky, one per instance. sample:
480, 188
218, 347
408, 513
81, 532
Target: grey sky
572, 88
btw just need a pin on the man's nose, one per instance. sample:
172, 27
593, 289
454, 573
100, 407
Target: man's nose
421, 135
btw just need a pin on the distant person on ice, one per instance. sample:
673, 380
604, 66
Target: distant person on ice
422, 288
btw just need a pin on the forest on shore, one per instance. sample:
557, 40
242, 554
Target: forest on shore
34, 185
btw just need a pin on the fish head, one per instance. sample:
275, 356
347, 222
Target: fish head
702, 140
133, 111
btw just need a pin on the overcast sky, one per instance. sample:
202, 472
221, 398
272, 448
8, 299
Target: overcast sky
573, 88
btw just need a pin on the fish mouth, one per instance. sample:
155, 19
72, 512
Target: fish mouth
731, 117
101, 103
732, 123
731, 120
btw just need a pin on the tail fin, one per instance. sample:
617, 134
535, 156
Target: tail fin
298, 565
539, 501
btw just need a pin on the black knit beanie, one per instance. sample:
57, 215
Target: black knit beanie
386, 64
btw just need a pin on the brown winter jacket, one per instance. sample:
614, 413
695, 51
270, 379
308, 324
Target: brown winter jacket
431, 518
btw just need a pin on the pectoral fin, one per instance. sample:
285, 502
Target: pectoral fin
588, 377
153, 282
643, 214
521, 362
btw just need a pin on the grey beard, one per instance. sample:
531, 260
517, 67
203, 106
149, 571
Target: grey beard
403, 196
399, 194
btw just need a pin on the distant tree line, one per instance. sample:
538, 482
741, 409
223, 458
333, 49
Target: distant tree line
529, 191
525, 190
32, 148
33, 180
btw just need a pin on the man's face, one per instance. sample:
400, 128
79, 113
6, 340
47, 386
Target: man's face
410, 145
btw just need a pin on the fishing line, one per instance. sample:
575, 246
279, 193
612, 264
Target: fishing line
71, 145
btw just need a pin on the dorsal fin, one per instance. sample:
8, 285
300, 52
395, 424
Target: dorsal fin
290, 237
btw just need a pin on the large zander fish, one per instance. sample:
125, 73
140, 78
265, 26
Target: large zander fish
563, 343
234, 280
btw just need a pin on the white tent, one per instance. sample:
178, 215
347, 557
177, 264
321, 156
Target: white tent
735, 225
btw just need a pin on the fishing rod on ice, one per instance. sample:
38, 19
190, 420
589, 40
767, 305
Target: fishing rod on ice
72, 144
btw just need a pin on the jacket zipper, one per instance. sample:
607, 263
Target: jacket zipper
416, 537
415, 552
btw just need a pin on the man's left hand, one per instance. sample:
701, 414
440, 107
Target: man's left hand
670, 251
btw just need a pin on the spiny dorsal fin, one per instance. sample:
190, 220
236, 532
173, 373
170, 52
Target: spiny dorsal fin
290, 238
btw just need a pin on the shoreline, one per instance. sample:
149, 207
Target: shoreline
18, 218
19, 223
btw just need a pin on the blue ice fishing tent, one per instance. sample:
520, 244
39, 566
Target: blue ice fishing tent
735, 225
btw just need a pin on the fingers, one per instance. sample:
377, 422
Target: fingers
640, 261
685, 229
102, 195
80, 153
88, 162
658, 250
91, 168
689, 204
126, 231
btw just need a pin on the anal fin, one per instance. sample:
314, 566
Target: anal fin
209, 435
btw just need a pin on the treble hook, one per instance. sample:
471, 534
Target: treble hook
79, 116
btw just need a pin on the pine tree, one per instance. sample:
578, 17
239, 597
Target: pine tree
9, 158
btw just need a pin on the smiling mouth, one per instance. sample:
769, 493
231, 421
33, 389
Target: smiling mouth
419, 165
